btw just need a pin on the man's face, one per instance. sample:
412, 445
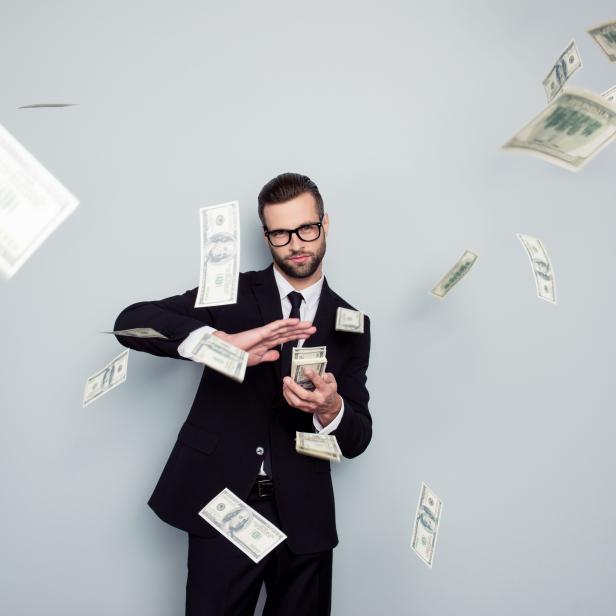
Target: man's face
298, 259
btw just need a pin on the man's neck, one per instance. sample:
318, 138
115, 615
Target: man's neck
301, 283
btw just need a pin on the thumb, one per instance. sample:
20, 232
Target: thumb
271, 355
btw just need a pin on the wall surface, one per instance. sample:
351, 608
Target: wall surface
502, 403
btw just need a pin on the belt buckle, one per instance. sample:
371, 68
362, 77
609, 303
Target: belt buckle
265, 487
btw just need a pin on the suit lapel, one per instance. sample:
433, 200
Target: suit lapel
324, 319
267, 295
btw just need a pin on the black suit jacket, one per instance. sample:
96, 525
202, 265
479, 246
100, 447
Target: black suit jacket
219, 445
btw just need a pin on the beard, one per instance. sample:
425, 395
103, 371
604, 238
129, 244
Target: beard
300, 270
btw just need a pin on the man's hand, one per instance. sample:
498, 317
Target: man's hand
324, 401
259, 342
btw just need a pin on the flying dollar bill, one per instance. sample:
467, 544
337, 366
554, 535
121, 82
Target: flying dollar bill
304, 358
605, 36
349, 320
570, 131
220, 255
566, 66
33, 204
43, 105
138, 332
221, 356
244, 527
455, 274
112, 375
323, 446
541, 266
610, 95
426, 525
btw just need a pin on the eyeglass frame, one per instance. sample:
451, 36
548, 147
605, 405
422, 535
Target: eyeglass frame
319, 224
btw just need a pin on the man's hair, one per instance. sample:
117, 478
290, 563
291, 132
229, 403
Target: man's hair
285, 187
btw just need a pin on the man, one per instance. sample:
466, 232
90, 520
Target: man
241, 436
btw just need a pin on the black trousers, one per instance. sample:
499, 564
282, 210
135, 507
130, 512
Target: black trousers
223, 581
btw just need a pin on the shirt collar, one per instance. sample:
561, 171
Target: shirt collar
311, 294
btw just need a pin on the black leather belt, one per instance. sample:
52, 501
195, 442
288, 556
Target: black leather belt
263, 488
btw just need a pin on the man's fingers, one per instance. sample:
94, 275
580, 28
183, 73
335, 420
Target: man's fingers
294, 331
291, 337
303, 394
283, 326
272, 341
276, 326
316, 378
307, 331
293, 399
329, 378
271, 355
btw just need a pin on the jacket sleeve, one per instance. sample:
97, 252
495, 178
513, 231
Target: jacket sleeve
174, 317
355, 429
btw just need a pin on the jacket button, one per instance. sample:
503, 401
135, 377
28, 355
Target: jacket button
260, 451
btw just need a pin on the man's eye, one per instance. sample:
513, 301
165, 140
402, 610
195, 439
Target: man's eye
278, 233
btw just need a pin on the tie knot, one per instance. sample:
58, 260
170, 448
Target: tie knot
296, 299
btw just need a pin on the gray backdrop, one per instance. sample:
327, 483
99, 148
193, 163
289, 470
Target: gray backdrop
502, 403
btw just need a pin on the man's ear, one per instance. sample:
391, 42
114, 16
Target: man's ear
326, 223
267, 244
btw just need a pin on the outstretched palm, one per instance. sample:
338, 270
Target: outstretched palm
261, 342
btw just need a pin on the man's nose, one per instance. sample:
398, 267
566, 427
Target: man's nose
295, 242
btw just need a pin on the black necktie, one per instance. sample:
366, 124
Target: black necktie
296, 299
285, 358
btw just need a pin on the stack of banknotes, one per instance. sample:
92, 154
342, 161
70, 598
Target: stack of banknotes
324, 446
348, 320
221, 356
304, 358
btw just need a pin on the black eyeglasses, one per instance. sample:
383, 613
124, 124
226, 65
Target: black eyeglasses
307, 233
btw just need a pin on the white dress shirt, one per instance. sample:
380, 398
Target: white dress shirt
307, 312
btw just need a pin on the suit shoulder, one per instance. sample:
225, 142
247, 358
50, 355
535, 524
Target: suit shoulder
246, 280
340, 301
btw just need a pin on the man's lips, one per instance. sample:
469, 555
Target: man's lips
299, 258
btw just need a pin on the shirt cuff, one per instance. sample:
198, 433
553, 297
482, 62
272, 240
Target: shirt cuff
192, 339
332, 425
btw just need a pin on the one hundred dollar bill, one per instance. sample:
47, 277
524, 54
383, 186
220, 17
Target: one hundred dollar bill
112, 375
566, 66
220, 255
138, 332
570, 131
221, 356
304, 352
299, 367
426, 524
304, 358
244, 527
610, 95
605, 36
348, 320
33, 204
323, 446
541, 266
455, 274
